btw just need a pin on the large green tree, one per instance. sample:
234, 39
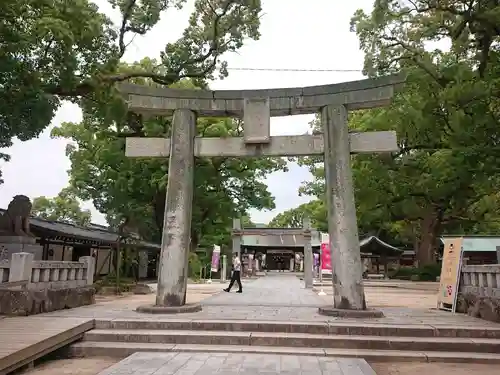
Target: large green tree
293, 218
64, 207
447, 118
67, 50
134, 189
445, 177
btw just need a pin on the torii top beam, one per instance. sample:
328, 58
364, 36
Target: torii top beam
362, 94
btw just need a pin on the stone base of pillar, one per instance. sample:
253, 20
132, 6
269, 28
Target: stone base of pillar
153, 309
356, 314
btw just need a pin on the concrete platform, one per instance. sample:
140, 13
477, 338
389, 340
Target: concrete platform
194, 363
25, 339
274, 298
277, 315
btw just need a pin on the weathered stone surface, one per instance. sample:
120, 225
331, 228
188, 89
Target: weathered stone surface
190, 363
347, 313
347, 272
367, 93
142, 289
155, 309
487, 308
284, 145
15, 221
29, 302
176, 233
10, 245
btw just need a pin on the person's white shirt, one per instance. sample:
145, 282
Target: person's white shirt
236, 264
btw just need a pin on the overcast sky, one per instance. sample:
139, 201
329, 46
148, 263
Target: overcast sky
295, 34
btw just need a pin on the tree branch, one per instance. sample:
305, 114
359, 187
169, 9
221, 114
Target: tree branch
124, 28
89, 85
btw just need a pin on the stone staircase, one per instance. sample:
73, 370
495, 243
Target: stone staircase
377, 342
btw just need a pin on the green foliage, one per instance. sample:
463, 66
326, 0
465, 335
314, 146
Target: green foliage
135, 189
108, 283
293, 218
403, 273
59, 49
64, 207
246, 222
445, 177
428, 272
194, 266
47, 48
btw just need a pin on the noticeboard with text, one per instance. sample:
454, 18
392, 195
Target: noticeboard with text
450, 274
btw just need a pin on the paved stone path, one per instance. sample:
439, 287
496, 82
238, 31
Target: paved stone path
271, 298
272, 291
230, 364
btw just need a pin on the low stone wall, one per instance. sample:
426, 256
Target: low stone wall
46, 274
32, 287
479, 292
29, 302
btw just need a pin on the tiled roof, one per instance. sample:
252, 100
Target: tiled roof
477, 243
278, 238
93, 232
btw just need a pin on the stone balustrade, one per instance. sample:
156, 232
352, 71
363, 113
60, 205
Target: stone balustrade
479, 291
481, 280
23, 271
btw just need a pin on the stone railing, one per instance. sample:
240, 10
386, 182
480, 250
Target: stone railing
483, 281
22, 271
479, 291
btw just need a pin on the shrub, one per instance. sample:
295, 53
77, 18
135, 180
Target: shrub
194, 266
428, 272
403, 273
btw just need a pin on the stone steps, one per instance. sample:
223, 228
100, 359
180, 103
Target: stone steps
302, 340
313, 328
370, 340
124, 349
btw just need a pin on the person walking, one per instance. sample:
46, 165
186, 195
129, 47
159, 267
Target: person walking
236, 275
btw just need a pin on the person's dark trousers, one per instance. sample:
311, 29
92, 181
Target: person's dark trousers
236, 277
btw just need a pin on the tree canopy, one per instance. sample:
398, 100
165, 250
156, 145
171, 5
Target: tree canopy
64, 207
69, 50
135, 189
64, 50
445, 177
293, 218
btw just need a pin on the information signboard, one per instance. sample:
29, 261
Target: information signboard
450, 274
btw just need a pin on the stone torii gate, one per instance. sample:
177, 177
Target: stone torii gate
256, 107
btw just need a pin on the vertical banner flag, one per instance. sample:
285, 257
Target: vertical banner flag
215, 258
326, 256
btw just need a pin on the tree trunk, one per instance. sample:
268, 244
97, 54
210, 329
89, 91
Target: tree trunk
429, 232
159, 202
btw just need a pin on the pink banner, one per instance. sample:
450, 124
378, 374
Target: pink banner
215, 258
326, 256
